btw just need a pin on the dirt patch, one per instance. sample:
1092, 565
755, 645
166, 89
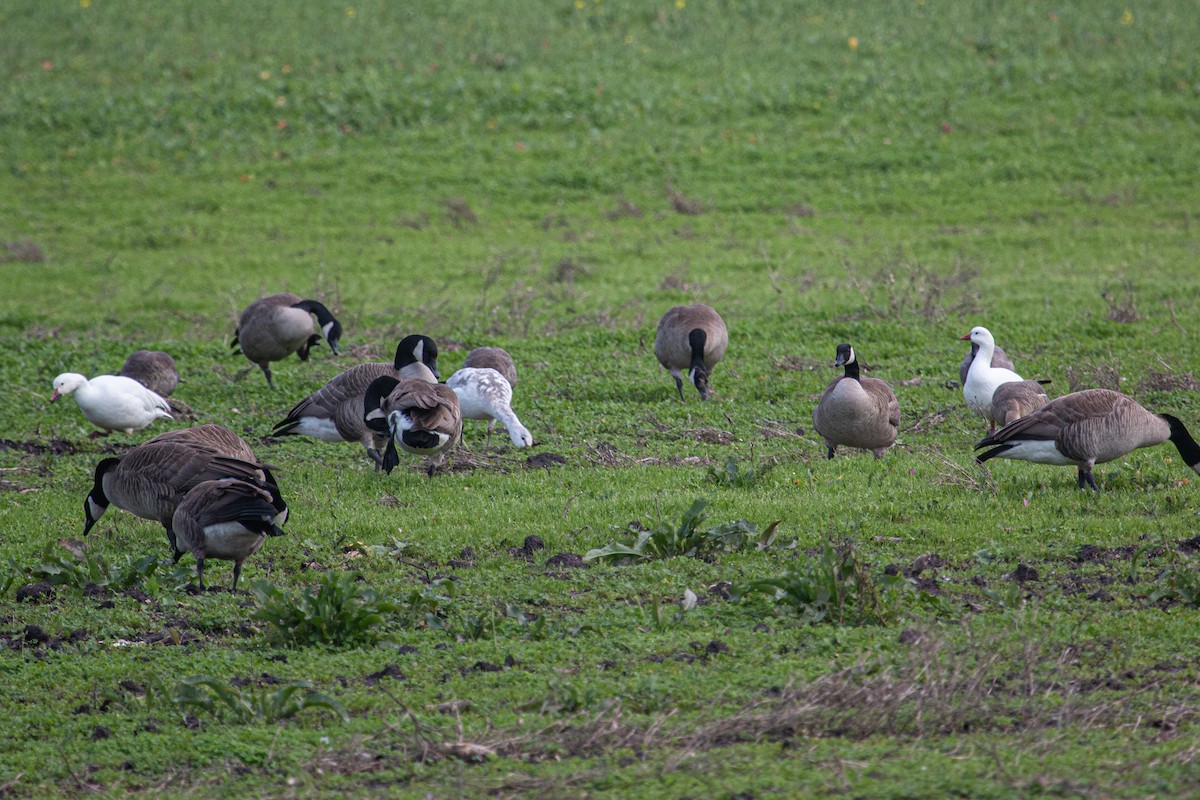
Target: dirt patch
1093, 376
24, 251
530, 546
682, 203
35, 592
459, 213
624, 208
769, 429
55, 447
545, 460
607, 455
390, 671
710, 435
1169, 382
566, 561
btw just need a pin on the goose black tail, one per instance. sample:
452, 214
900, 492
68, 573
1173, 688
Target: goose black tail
995, 451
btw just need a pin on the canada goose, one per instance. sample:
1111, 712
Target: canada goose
1017, 399
983, 377
273, 328
999, 359
496, 358
422, 418
856, 411
1088, 428
486, 394
691, 338
153, 369
112, 402
151, 480
334, 413
227, 519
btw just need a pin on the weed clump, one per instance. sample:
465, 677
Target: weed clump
340, 613
836, 587
201, 693
688, 538
736, 476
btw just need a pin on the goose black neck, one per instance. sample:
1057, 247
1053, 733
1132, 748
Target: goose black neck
103, 468
852, 369
318, 310
1189, 450
373, 415
696, 340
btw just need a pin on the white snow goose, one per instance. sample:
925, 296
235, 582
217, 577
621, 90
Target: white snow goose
486, 394
112, 402
983, 377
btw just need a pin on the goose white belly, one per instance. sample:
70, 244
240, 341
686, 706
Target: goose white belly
1038, 451
230, 540
319, 428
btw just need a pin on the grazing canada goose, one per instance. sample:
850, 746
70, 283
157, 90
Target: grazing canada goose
983, 377
999, 359
1088, 428
856, 411
496, 358
273, 328
1017, 399
153, 369
151, 480
112, 402
334, 413
691, 338
227, 519
422, 418
486, 394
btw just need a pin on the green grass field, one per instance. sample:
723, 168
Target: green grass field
550, 178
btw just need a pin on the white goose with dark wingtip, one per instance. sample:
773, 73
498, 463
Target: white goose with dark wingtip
274, 327
486, 394
1088, 428
334, 413
692, 338
856, 411
225, 519
112, 402
983, 377
415, 415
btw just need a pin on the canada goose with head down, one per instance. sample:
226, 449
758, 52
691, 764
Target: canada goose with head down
692, 339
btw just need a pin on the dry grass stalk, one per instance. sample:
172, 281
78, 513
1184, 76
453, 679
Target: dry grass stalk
1093, 376
683, 204
975, 477
1121, 309
625, 208
459, 213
